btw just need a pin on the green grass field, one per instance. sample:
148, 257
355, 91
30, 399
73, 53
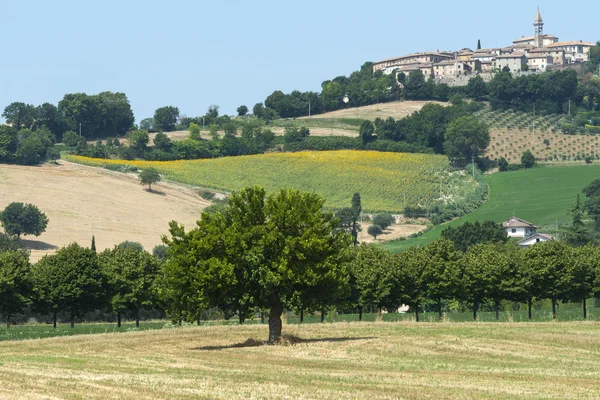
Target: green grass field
331, 361
382, 179
542, 196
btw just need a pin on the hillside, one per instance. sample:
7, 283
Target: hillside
541, 196
82, 201
382, 179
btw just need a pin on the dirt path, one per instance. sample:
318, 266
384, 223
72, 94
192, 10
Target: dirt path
82, 201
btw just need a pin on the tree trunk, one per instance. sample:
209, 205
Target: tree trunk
8, 322
529, 305
72, 322
322, 314
262, 317
439, 301
584, 308
380, 315
553, 308
475, 311
54, 319
417, 312
137, 318
119, 319
275, 319
301, 315
360, 310
497, 305
241, 318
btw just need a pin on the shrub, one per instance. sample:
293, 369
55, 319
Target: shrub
528, 159
383, 220
374, 230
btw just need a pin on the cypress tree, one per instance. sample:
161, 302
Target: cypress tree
478, 44
93, 247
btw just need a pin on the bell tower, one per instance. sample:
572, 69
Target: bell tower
538, 24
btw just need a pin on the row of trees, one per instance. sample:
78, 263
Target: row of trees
96, 116
25, 146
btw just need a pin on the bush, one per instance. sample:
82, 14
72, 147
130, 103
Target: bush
206, 194
528, 159
502, 164
374, 230
383, 220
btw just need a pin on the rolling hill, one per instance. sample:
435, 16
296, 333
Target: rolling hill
541, 195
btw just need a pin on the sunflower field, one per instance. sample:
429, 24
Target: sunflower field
385, 181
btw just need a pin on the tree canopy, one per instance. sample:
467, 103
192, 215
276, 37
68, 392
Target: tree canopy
23, 219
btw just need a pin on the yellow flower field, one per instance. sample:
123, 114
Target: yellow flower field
380, 178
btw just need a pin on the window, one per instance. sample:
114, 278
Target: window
514, 230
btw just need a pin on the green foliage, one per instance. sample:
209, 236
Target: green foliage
469, 234
578, 233
383, 220
20, 115
136, 246
69, 281
23, 219
138, 140
292, 134
131, 276
160, 251
162, 142
372, 276
149, 176
466, 137
367, 130
52, 154
242, 110
528, 159
502, 164
374, 230
10, 243
263, 251
15, 283
165, 118
194, 131
147, 124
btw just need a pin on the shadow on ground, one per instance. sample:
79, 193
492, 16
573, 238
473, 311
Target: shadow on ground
154, 191
37, 245
286, 340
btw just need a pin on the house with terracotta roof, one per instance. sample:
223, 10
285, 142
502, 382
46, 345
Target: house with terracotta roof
575, 51
517, 227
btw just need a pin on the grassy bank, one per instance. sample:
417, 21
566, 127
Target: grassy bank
542, 196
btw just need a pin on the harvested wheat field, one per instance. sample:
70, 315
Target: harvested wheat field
332, 361
81, 201
396, 110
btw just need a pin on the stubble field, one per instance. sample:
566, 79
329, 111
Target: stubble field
334, 361
81, 201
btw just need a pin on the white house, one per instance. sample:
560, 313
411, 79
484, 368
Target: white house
533, 239
516, 227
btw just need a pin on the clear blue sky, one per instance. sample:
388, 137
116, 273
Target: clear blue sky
192, 54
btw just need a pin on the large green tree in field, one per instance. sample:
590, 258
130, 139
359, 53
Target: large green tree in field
165, 118
69, 281
15, 283
20, 115
23, 219
466, 137
471, 233
149, 176
131, 275
583, 272
262, 251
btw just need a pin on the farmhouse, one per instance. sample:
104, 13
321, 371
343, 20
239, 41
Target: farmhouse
533, 239
516, 227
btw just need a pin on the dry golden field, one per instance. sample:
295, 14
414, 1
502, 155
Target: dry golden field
396, 110
82, 201
335, 361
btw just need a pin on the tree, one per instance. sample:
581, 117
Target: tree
366, 132
383, 220
356, 210
93, 246
70, 138
548, 263
578, 233
138, 140
147, 124
502, 164
242, 110
583, 273
52, 154
23, 219
441, 273
292, 134
477, 88
261, 252
374, 230
20, 115
466, 137
15, 284
10, 243
475, 282
592, 201
194, 131
149, 176
131, 276
127, 244
471, 233
165, 118
162, 142
478, 44
70, 281
528, 159
373, 277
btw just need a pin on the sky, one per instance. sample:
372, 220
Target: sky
192, 54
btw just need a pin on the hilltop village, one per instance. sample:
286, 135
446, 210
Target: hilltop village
533, 54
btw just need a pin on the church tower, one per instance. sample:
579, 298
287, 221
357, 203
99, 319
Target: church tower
538, 23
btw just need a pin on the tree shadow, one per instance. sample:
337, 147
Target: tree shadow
37, 245
286, 341
154, 191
